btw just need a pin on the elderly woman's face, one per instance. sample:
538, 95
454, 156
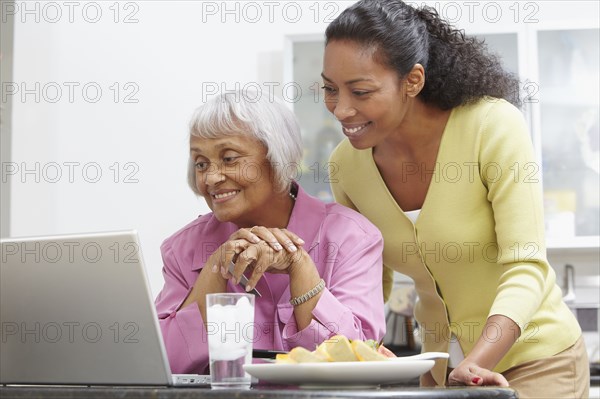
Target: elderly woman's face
235, 178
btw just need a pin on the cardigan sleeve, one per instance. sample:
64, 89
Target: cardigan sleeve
183, 330
509, 170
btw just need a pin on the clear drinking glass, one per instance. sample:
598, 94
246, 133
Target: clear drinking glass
230, 328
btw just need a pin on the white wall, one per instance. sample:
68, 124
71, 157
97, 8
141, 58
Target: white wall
165, 57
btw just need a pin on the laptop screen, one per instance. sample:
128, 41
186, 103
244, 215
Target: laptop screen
77, 309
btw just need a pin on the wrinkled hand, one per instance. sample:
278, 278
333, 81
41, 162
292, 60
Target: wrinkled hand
468, 373
261, 258
278, 239
219, 260
240, 240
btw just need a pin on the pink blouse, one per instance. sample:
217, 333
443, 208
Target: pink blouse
347, 251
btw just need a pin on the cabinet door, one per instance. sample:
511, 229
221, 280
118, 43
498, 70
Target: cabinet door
320, 130
568, 109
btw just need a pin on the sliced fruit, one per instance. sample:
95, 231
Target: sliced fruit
284, 358
302, 355
339, 349
322, 351
366, 353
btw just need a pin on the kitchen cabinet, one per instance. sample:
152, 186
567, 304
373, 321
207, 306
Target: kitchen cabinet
556, 56
567, 124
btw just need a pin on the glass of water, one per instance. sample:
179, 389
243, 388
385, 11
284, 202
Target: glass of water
230, 328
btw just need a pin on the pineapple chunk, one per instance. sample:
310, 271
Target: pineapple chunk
339, 349
302, 355
322, 351
366, 353
284, 358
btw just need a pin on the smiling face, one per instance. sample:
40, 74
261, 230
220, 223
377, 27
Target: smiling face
367, 97
235, 178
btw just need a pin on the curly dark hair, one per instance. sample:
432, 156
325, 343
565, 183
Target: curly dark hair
458, 69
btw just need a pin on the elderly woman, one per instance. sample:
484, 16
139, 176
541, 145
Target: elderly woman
243, 149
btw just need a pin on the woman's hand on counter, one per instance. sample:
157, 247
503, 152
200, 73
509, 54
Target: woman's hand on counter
476, 368
468, 373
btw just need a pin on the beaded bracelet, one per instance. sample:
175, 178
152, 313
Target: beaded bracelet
305, 297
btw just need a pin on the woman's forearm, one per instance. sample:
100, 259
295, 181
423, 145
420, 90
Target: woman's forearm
499, 335
304, 277
208, 282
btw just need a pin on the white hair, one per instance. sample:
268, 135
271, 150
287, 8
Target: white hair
256, 115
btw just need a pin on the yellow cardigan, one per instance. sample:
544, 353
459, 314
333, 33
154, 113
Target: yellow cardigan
477, 248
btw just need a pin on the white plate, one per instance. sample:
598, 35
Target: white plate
346, 373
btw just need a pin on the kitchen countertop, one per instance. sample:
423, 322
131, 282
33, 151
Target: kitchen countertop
260, 391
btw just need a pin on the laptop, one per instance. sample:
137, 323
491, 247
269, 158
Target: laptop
77, 309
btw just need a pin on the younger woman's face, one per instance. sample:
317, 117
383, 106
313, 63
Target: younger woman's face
367, 97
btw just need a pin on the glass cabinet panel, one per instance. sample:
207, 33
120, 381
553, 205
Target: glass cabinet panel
569, 82
320, 131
